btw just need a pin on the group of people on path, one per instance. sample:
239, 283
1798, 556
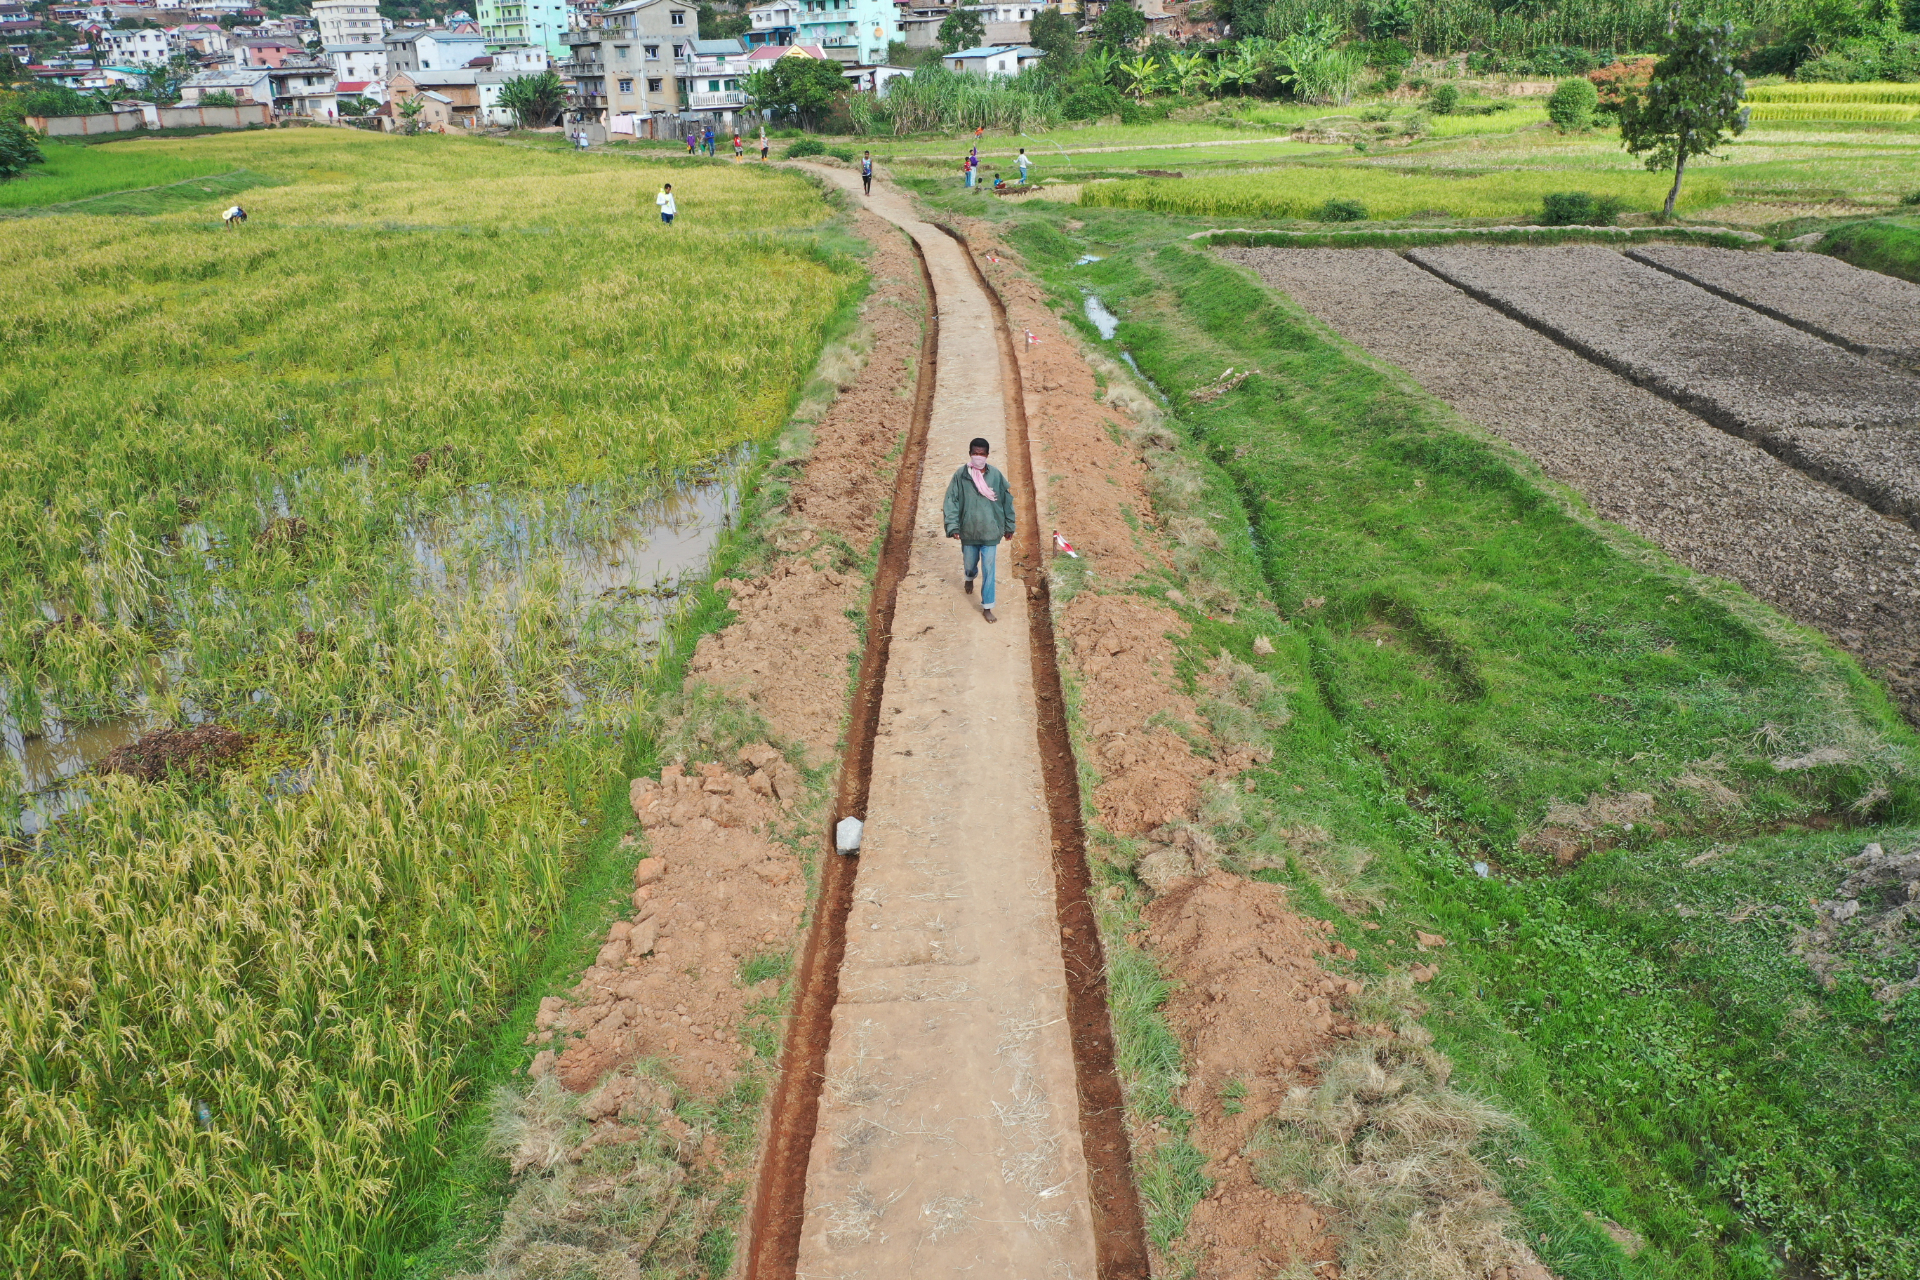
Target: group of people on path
703, 142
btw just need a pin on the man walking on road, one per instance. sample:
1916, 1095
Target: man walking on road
979, 512
866, 171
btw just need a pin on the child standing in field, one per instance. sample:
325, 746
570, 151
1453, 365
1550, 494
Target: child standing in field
866, 171
1023, 166
691, 142
665, 201
739, 152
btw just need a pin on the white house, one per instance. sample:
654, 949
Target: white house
246, 84
994, 60
874, 80
520, 59
433, 49
139, 48
358, 61
711, 75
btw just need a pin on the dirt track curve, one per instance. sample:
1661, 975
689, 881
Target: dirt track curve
930, 1119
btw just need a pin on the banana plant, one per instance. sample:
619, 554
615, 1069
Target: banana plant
1188, 72
1142, 75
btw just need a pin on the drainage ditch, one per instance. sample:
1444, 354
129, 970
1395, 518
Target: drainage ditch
779, 1208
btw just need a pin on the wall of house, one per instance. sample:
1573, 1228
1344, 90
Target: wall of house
215, 117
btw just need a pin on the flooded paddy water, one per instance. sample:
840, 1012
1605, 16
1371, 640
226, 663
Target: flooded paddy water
612, 569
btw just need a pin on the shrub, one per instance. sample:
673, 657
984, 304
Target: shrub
219, 98
1571, 105
1445, 100
806, 147
1614, 81
1090, 102
1339, 209
841, 153
1912, 197
1580, 209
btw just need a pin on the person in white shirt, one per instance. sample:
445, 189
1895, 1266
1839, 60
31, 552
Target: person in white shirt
234, 216
1023, 166
665, 201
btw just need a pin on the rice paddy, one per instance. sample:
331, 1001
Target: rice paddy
324, 480
1298, 192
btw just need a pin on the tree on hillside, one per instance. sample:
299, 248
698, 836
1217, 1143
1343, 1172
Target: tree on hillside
19, 148
1119, 25
536, 101
162, 83
1051, 31
803, 88
1692, 104
962, 29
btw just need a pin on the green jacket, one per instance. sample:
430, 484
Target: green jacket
971, 516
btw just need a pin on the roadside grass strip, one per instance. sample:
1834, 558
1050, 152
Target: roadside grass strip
1300, 191
1889, 247
331, 486
1480, 672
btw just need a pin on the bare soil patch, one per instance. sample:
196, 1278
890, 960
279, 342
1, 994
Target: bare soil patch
171, 753
1712, 501
1864, 311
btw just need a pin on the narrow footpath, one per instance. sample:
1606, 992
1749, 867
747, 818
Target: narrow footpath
947, 1140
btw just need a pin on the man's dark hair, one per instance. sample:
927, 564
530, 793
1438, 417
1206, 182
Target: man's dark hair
979, 445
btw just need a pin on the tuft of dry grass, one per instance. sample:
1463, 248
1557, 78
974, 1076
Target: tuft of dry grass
1385, 1144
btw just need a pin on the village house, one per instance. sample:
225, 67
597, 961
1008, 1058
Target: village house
710, 75
623, 64
850, 30
773, 24
145, 47
432, 49
472, 95
246, 84
523, 22
994, 60
348, 21
358, 61
267, 52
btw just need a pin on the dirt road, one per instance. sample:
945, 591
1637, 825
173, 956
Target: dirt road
947, 1139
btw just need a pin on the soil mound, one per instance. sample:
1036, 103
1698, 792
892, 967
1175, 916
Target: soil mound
169, 753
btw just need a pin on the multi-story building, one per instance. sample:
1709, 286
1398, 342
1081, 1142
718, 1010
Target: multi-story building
139, 48
360, 62
246, 84
267, 51
348, 21
775, 23
711, 74
432, 49
623, 64
851, 31
206, 38
519, 22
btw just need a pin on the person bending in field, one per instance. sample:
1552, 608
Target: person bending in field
665, 201
234, 216
866, 171
979, 512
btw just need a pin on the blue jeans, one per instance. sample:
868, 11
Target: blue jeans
976, 556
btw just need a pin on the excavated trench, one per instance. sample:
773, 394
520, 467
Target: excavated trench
779, 1208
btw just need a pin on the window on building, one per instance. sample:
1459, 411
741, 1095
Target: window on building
678, 50
621, 50
653, 86
679, 17
626, 86
653, 52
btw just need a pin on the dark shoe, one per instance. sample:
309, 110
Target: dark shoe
988, 615
969, 586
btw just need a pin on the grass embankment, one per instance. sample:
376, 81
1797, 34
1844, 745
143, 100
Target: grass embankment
1889, 247
242, 1010
1466, 652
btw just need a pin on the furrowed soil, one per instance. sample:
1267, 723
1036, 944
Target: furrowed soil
1712, 501
679, 1014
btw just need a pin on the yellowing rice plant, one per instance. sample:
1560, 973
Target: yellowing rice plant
237, 1001
1825, 110
1300, 191
1872, 92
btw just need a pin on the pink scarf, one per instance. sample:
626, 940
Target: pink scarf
977, 472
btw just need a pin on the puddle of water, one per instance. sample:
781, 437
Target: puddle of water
1104, 320
1151, 384
1085, 258
621, 572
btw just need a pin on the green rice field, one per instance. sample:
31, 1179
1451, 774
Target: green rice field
326, 486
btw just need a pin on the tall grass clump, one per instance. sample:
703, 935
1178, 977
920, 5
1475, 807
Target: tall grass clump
934, 99
1891, 113
1449, 26
340, 480
1859, 93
